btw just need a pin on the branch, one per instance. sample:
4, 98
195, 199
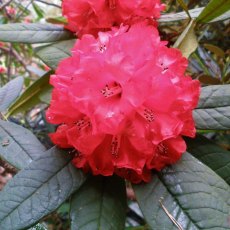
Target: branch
17, 56
5, 4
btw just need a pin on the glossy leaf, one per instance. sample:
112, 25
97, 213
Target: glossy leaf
187, 41
9, 92
188, 193
31, 95
211, 154
213, 110
38, 189
18, 146
54, 53
33, 33
214, 9
99, 204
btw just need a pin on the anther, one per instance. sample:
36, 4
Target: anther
115, 146
110, 91
162, 148
112, 4
82, 123
147, 114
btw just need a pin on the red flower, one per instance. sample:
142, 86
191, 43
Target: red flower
92, 16
2, 69
123, 102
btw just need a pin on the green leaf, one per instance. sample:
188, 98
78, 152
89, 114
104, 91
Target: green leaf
214, 9
194, 13
189, 192
38, 189
18, 146
57, 20
211, 154
9, 92
213, 110
31, 95
54, 53
187, 41
38, 10
33, 33
99, 204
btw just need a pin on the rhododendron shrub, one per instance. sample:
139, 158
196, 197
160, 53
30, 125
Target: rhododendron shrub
92, 16
124, 103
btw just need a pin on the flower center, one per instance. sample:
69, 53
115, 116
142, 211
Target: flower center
164, 67
115, 146
83, 123
110, 91
146, 113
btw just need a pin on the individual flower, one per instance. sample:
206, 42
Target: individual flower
123, 102
2, 69
10, 10
92, 16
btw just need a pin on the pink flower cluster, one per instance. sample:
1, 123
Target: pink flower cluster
122, 100
92, 16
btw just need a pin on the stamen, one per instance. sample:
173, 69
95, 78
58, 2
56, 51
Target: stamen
102, 48
83, 123
115, 146
147, 114
112, 4
110, 91
162, 148
164, 68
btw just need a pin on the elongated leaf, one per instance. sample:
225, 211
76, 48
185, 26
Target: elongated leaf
31, 95
99, 204
18, 146
214, 96
54, 53
187, 41
215, 157
33, 33
214, 9
189, 192
213, 110
194, 13
38, 189
9, 92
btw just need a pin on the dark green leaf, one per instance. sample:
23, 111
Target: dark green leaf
9, 92
31, 95
54, 53
213, 110
33, 33
18, 146
38, 189
99, 204
214, 9
188, 191
215, 157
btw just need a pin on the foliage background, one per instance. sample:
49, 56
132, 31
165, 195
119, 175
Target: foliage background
209, 63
